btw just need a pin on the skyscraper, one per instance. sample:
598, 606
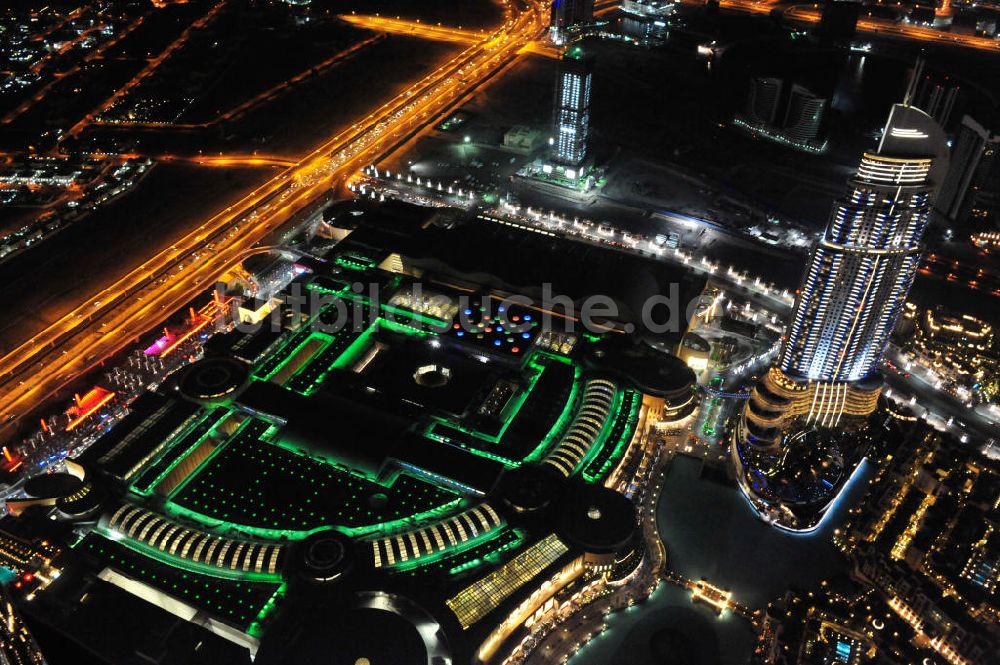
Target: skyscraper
568, 14
793, 120
974, 174
762, 104
853, 289
571, 112
936, 96
804, 115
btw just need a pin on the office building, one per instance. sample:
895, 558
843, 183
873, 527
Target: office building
826, 379
571, 112
974, 174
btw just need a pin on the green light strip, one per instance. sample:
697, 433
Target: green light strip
402, 328
416, 316
354, 350
565, 418
491, 557
222, 445
183, 456
326, 339
506, 461
262, 533
256, 626
606, 428
409, 522
620, 445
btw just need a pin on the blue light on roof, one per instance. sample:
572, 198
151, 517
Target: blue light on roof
527, 317
468, 312
525, 335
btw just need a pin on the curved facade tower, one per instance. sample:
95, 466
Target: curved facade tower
861, 270
852, 292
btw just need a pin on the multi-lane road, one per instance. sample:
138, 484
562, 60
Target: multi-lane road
810, 13
113, 318
892, 29
415, 28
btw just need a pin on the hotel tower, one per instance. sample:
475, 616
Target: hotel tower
855, 283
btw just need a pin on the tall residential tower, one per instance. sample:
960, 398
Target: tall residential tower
571, 112
853, 289
762, 103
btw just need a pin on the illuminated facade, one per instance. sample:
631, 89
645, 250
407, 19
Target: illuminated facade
571, 115
852, 293
861, 270
988, 239
957, 348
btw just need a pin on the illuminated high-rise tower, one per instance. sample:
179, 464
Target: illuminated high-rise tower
861, 270
852, 292
571, 113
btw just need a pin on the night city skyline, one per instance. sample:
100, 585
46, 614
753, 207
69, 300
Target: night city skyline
500, 332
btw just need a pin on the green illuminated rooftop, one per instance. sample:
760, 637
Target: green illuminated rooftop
263, 485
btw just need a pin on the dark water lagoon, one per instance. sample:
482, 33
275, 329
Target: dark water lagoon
710, 532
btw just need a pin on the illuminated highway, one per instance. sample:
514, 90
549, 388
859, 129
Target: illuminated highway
113, 318
414, 28
227, 160
810, 13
